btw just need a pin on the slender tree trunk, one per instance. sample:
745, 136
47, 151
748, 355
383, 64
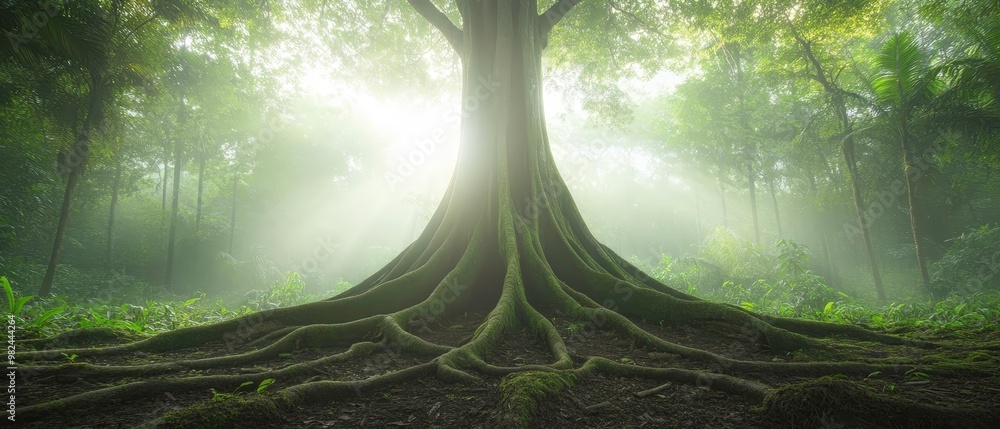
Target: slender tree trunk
752, 185
774, 203
111, 214
232, 216
166, 160
201, 185
722, 197
697, 217
839, 106
74, 164
736, 53
50, 271
852, 169
175, 198
910, 170
821, 226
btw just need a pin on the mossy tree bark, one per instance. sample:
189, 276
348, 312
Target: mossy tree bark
506, 239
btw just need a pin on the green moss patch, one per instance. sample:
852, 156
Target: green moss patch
231, 412
522, 392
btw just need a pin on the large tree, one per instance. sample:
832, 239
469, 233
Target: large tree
506, 239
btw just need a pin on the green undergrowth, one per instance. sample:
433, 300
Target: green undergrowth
124, 310
522, 392
777, 281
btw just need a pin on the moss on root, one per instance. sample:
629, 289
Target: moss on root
522, 392
224, 413
829, 402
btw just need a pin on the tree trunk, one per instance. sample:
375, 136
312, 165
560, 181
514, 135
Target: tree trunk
697, 218
852, 169
111, 213
175, 198
232, 216
722, 197
50, 271
166, 160
774, 203
821, 225
752, 186
911, 192
201, 183
839, 106
74, 164
506, 193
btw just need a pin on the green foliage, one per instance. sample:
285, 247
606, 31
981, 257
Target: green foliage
280, 293
14, 304
971, 264
979, 311
786, 287
261, 387
264, 384
732, 270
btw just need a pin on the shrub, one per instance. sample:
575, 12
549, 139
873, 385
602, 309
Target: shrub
971, 264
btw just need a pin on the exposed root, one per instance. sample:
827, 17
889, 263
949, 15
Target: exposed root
234, 412
848, 404
304, 337
150, 388
724, 383
546, 265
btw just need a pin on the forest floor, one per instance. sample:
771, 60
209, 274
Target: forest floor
594, 402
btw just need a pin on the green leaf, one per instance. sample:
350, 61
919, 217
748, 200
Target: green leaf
14, 305
10, 294
828, 308
19, 304
40, 320
244, 384
263, 385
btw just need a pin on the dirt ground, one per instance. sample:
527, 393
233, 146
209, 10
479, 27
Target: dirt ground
595, 402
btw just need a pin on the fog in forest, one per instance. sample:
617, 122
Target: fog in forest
500, 213
308, 158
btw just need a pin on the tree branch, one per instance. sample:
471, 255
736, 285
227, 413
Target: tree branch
642, 23
552, 16
440, 21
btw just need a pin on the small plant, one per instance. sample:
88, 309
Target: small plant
71, 357
14, 304
917, 375
264, 384
216, 396
574, 327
